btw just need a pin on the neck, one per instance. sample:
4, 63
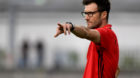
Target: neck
103, 24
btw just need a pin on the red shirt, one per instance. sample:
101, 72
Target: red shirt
102, 59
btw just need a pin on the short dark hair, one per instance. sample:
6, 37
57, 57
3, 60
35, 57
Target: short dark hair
103, 5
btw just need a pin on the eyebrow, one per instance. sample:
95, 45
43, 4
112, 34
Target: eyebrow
90, 11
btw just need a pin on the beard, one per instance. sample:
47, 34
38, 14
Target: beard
94, 25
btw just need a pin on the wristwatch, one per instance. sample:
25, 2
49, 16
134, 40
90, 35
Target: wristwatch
72, 28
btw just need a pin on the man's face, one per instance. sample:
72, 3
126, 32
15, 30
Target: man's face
94, 18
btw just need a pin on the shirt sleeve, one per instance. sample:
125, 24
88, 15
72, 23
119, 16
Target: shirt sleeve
105, 37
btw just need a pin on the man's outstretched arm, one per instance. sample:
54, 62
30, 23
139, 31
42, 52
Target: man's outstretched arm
79, 31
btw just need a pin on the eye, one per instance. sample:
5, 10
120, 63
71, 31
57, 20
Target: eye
90, 14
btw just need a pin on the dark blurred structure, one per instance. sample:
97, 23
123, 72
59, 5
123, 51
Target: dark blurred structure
40, 52
25, 51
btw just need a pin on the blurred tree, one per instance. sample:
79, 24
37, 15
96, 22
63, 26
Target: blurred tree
130, 64
2, 58
73, 58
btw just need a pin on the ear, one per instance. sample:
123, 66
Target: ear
104, 15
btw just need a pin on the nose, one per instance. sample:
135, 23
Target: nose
86, 17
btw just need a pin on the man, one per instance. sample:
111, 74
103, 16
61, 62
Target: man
25, 49
103, 52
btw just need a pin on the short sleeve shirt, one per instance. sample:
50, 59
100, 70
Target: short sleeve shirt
102, 59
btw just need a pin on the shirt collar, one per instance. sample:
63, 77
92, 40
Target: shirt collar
108, 26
